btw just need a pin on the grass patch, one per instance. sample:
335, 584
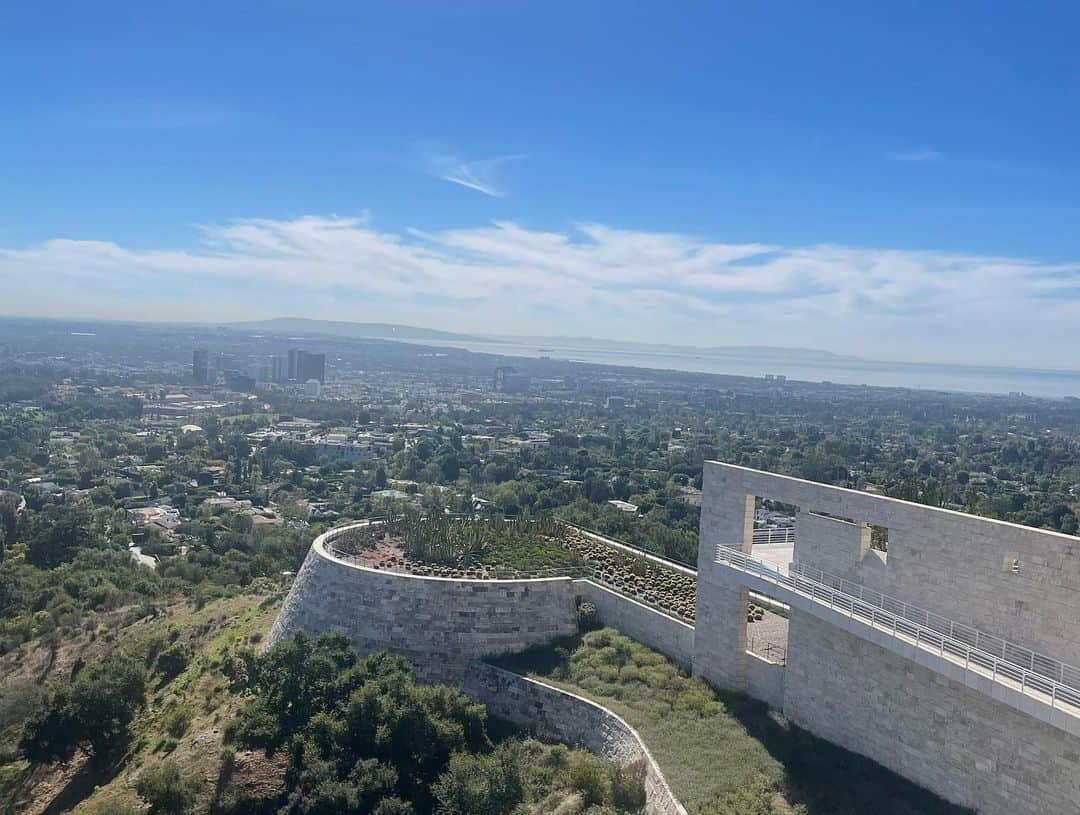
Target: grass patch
723, 754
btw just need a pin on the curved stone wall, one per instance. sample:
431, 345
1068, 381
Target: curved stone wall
552, 713
445, 626
439, 624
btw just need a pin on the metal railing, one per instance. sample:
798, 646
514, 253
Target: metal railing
774, 535
979, 640
609, 539
767, 649
996, 668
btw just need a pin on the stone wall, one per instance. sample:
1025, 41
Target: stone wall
551, 713
444, 626
661, 632
765, 680
962, 744
720, 635
830, 540
439, 624
949, 562
958, 734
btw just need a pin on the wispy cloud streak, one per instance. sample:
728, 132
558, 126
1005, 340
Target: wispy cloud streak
481, 175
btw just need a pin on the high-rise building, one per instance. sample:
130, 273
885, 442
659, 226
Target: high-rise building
279, 368
312, 366
508, 380
200, 366
304, 365
239, 381
294, 364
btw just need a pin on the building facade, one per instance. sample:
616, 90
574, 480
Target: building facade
939, 644
200, 366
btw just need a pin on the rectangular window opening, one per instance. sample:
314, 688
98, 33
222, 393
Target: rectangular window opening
767, 628
774, 522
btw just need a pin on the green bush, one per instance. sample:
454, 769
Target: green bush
172, 661
365, 738
628, 786
166, 790
589, 776
177, 721
490, 784
393, 806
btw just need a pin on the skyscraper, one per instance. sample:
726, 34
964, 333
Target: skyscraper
312, 366
200, 366
279, 371
294, 364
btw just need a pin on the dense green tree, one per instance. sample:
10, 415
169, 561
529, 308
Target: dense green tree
54, 536
92, 712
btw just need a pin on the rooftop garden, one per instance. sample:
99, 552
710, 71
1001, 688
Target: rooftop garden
486, 547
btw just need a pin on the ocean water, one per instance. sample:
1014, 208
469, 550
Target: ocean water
842, 370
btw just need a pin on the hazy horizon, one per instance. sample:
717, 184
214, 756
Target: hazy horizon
797, 365
909, 198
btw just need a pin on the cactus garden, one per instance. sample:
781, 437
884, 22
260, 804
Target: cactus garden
486, 547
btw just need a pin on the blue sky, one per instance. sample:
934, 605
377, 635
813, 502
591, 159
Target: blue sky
885, 179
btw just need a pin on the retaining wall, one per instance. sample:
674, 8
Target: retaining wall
438, 624
765, 680
551, 713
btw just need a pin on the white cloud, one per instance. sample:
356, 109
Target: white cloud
590, 280
481, 175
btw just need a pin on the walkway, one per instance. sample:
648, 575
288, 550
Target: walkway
986, 672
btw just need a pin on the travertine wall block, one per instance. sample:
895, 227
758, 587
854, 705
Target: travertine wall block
965, 737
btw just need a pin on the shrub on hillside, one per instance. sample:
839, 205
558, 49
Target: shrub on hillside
489, 783
172, 661
363, 737
177, 721
166, 790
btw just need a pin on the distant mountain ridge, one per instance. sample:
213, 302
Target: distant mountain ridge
393, 331
343, 328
